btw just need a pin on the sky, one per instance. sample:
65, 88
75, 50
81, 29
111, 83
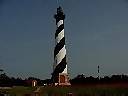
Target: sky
96, 33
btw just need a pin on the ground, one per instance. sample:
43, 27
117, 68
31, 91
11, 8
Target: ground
79, 90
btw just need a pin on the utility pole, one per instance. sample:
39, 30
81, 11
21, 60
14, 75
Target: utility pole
1, 70
98, 72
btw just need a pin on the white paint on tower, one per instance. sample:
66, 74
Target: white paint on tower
60, 36
60, 23
60, 55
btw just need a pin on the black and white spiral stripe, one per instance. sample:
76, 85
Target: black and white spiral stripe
60, 50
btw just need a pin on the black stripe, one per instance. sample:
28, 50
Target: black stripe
59, 69
59, 17
61, 66
59, 46
59, 29
57, 22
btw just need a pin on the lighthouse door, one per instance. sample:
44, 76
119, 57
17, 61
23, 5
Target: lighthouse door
62, 79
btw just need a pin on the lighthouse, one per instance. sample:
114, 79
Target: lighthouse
60, 72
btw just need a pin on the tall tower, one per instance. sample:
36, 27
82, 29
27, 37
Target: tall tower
60, 74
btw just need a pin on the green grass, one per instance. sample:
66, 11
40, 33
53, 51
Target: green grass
76, 90
83, 91
18, 90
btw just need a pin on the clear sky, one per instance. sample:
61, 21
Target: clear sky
96, 34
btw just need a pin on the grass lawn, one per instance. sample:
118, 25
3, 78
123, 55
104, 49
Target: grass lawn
75, 90
18, 90
85, 91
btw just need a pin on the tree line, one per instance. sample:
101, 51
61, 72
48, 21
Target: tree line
79, 79
12, 81
114, 79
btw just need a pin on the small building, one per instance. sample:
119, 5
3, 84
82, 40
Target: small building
34, 83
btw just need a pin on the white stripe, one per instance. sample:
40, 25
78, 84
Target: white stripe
65, 70
60, 55
60, 36
59, 23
